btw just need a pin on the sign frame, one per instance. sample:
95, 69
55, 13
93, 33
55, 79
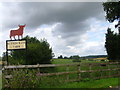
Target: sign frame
16, 40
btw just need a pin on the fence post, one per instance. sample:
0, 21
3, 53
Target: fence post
101, 71
118, 68
67, 70
38, 68
38, 71
108, 65
90, 69
79, 76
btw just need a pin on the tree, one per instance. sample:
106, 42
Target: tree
70, 57
38, 52
66, 57
112, 45
60, 57
112, 10
76, 58
4, 56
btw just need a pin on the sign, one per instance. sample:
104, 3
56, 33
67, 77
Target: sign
18, 32
15, 44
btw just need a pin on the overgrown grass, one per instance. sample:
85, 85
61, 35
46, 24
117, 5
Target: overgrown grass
102, 83
21, 79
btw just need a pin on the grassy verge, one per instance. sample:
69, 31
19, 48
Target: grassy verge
102, 83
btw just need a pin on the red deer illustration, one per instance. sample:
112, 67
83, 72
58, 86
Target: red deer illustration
18, 32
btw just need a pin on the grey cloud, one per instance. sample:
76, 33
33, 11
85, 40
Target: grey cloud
37, 13
73, 16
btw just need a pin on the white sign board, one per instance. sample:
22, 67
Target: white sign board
14, 45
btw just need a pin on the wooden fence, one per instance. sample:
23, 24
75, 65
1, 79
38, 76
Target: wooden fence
103, 67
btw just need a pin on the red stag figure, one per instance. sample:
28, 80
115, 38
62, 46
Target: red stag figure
18, 32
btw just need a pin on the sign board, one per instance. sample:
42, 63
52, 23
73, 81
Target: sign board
15, 44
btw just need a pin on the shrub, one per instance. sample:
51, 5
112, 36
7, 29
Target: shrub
51, 81
76, 60
22, 79
25, 78
38, 52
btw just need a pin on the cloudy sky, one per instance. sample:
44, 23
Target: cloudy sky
71, 28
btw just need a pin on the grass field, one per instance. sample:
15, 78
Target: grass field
101, 83
86, 82
83, 64
70, 61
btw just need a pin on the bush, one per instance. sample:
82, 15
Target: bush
102, 60
22, 79
25, 78
51, 81
38, 52
76, 60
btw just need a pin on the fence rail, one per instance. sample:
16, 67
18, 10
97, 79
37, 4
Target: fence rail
52, 65
78, 71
